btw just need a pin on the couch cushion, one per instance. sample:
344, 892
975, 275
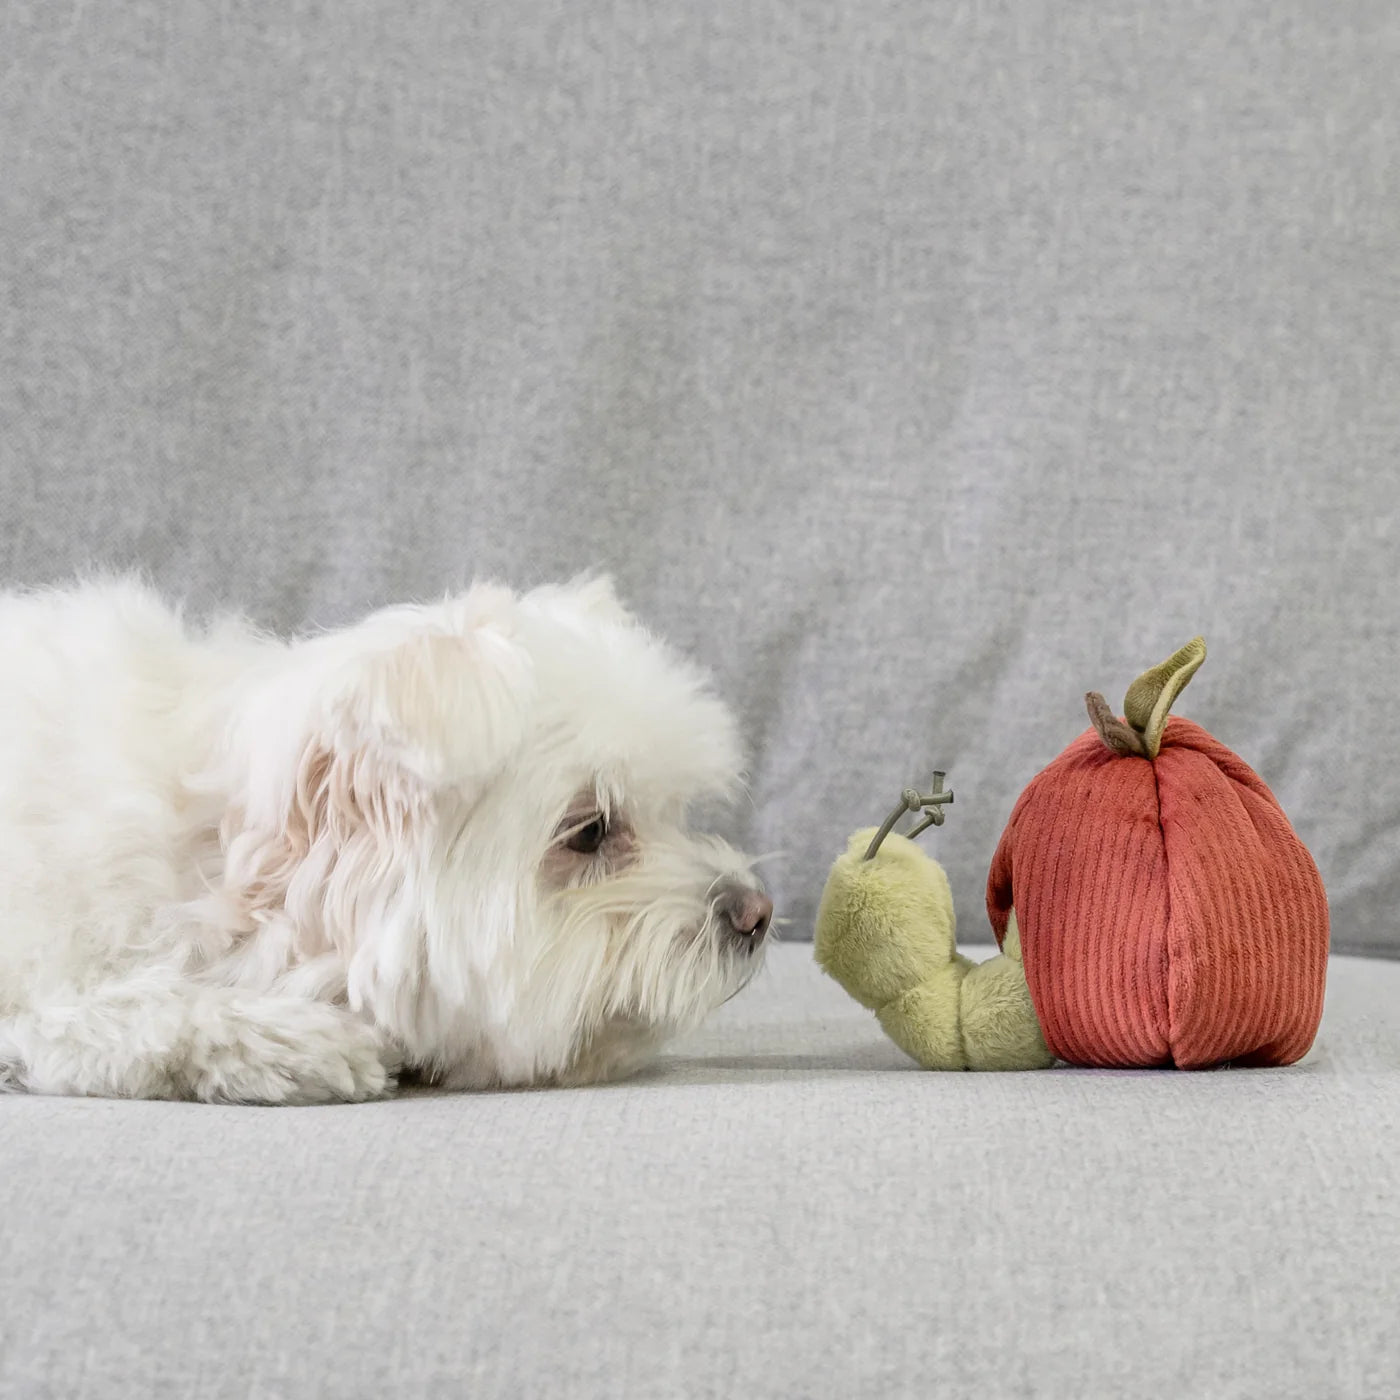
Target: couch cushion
782, 1206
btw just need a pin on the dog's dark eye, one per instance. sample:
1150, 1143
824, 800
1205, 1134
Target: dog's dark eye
587, 839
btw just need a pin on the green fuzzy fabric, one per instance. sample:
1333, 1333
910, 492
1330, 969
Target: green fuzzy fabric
887, 933
884, 924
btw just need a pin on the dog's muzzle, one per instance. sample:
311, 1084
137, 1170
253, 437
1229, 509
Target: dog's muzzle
744, 914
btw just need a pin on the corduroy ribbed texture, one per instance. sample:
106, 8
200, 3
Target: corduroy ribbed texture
1168, 912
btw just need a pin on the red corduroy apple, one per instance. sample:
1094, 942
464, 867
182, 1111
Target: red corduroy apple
1168, 913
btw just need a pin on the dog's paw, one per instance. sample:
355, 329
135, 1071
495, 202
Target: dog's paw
291, 1052
11, 1079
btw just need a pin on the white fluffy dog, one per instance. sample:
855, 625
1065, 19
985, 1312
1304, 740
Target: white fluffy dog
450, 840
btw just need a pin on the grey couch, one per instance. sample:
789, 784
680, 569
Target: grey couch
917, 367
784, 1206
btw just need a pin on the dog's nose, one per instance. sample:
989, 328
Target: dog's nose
749, 912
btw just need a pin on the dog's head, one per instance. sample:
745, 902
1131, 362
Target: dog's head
478, 811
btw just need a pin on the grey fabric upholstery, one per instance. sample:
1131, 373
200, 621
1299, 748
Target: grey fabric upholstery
784, 1206
918, 366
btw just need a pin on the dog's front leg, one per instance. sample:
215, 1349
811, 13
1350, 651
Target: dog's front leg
157, 1038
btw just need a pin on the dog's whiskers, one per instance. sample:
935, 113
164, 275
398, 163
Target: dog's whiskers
768, 856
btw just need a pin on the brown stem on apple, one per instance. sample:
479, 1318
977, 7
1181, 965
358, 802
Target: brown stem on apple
1117, 735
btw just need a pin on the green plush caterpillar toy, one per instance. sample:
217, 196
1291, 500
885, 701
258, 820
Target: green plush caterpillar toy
886, 931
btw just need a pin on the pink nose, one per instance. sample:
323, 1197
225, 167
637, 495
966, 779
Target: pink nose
749, 912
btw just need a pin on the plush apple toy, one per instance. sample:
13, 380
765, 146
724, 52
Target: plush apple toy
1152, 904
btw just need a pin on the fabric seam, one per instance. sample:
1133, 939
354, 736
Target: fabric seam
1167, 929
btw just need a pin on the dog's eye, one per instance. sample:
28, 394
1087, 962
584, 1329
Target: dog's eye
587, 839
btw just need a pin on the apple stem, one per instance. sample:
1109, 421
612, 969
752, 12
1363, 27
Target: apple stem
1147, 703
1117, 735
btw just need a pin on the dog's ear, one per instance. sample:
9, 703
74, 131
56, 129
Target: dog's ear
439, 709
447, 706
342, 760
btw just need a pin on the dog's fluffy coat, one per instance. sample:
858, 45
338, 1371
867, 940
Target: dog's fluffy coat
451, 838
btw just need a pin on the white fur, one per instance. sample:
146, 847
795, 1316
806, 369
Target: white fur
240, 869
